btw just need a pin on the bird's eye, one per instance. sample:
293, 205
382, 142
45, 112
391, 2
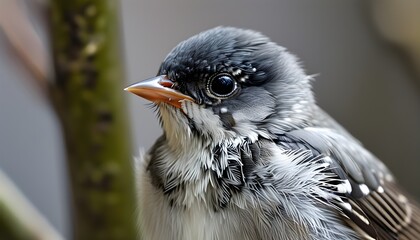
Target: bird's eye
221, 86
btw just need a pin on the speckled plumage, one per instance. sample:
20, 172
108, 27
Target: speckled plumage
263, 163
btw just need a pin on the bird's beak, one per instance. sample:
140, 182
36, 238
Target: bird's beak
159, 89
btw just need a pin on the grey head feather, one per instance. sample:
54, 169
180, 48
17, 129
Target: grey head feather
274, 92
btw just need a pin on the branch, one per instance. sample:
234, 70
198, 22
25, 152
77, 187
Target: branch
19, 220
23, 38
88, 99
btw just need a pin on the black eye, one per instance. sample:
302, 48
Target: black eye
221, 86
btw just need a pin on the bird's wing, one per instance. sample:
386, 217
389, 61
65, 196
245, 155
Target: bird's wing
366, 193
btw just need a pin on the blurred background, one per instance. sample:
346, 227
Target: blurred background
367, 79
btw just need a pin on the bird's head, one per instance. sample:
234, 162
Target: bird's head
228, 82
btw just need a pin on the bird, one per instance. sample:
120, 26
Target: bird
246, 152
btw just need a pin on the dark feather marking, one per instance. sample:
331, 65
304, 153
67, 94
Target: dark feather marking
391, 215
153, 167
232, 177
356, 192
353, 215
238, 171
399, 212
248, 163
227, 120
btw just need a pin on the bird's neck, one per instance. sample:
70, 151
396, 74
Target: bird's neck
194, 171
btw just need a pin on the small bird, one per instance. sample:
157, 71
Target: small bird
246, 153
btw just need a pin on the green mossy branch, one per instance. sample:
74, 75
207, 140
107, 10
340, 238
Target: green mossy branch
19, 219
88, 97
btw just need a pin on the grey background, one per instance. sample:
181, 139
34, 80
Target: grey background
363, 82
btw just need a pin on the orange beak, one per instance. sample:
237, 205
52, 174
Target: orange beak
159, 89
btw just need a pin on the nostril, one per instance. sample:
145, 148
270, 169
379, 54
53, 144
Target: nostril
166, 83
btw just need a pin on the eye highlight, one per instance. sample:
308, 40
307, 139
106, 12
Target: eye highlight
221, 86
